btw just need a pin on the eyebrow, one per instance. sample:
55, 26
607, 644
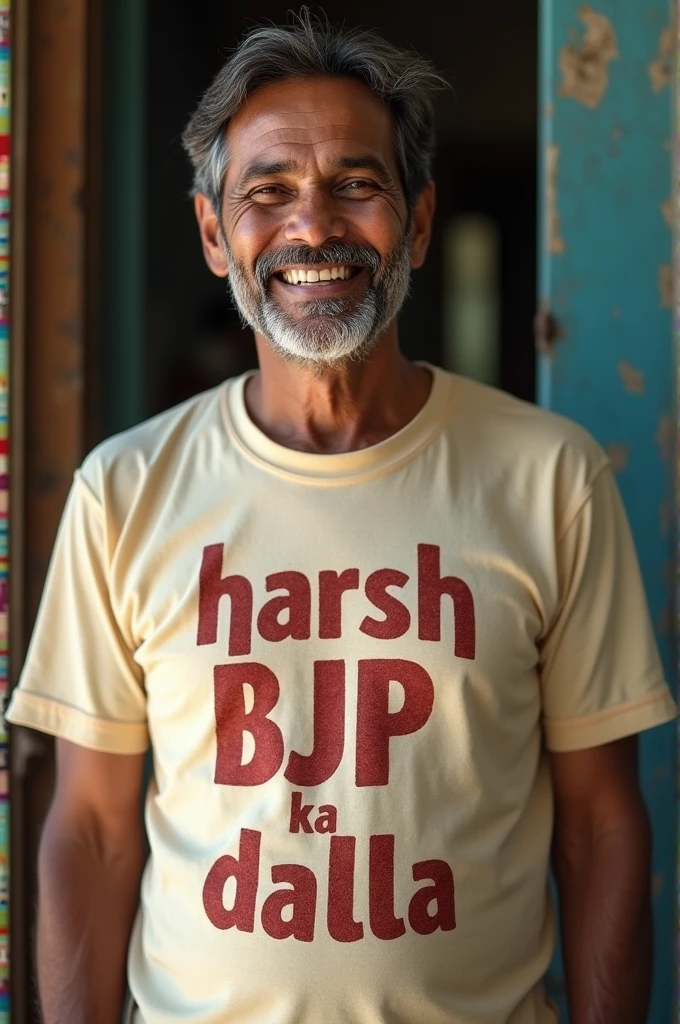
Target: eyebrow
263, 169
365, 163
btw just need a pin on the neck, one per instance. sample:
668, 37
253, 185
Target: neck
338, 408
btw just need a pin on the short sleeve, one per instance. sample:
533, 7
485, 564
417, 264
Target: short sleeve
601, 675
80, 680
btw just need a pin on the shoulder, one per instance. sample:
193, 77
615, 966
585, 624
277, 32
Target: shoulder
155, 452
532, 449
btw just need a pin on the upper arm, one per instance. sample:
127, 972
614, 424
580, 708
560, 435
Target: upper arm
601, 677
81, 680
97, 795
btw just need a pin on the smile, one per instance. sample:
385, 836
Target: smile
304, 276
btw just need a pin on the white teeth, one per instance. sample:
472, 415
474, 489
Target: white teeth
299, 276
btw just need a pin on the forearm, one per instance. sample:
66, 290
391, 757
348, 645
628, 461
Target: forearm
87, 903
606, 924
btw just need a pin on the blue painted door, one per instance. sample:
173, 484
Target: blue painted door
605, 287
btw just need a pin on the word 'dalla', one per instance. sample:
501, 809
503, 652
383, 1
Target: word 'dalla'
291, 912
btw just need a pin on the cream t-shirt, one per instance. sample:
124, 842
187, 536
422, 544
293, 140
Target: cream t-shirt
349, 668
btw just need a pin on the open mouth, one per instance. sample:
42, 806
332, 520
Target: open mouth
317, 275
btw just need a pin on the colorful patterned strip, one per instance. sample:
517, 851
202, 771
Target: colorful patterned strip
676, 311
5, 79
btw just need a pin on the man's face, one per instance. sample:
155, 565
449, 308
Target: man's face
315, 225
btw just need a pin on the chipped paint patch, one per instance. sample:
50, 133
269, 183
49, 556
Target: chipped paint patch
556, 244
661, 68
633, 380
665, 285
584, 66
664, 437
667, 212
619, 454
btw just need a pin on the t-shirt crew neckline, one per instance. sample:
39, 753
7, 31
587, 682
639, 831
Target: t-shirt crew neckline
346, 467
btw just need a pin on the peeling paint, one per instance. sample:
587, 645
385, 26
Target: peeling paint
661, 67
665, 285
619, 455
633, 380
667, 212
547, 330
617, 313
664, 437
584, 67
556, 244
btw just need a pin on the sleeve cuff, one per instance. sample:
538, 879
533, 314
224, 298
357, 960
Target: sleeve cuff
565, 734
67, 723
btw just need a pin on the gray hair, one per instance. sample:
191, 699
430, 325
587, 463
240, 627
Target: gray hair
310, 47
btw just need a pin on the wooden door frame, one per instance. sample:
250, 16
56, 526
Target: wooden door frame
55, 248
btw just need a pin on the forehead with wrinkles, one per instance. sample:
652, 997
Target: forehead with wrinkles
308, 118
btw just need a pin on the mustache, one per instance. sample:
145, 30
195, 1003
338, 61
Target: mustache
334, 252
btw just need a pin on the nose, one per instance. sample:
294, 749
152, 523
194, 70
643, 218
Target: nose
314, 220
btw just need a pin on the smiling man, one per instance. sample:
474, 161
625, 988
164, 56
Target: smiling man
383, 629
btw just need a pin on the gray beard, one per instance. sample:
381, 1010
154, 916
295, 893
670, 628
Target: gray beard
327, 331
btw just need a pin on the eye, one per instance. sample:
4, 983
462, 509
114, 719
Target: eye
359, 185
268, 194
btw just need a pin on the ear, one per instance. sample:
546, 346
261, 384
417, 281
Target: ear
421, 225
211, 236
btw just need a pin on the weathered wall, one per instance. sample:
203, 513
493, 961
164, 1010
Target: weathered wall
605, 276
